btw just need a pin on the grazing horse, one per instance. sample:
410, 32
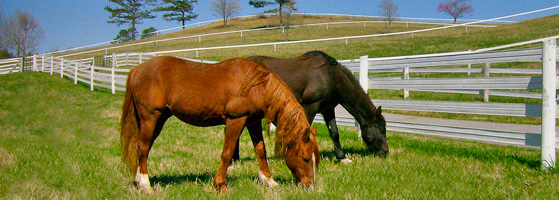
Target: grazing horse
320, 83
236, 92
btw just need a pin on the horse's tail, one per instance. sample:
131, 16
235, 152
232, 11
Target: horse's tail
129, 129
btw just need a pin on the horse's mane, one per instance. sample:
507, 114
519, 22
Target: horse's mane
329, 59
282, 108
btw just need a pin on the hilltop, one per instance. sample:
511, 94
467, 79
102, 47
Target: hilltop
446, 40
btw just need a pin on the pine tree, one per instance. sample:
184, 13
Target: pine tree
283, 6
178, 10
130, 12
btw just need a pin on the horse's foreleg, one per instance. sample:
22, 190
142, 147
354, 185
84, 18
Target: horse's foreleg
234, 128
330, 119
150, 128
265, 176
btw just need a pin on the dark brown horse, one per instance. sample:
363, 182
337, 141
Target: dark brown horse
235, 92
320, 83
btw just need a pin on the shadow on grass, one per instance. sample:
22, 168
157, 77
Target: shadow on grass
364, 151
178, 179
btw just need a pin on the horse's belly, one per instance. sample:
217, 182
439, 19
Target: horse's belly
201, 120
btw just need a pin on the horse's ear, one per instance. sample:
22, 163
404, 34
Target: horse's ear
307, 135
379, 110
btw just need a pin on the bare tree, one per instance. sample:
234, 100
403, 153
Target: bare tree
288, 20
23, 33
225, 9
389, 11
456, 8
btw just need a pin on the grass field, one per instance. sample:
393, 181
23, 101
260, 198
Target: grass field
60, 141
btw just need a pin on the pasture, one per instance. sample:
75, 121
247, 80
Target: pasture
60, 141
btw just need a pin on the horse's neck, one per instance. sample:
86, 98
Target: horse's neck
355, 100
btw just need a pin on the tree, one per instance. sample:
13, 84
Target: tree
288, 20
389, 11
455, 8
148, 32
22, 33
129, 12
124, 35
283, 6
225, 9
178, 10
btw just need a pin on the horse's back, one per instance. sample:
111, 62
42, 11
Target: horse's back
196, 93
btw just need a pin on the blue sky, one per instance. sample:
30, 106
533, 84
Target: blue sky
74, 23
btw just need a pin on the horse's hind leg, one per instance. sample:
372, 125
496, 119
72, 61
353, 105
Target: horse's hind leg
150, 127
265, 176
330, 119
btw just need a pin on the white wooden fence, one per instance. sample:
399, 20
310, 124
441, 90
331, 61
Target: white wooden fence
546, 81
114, 78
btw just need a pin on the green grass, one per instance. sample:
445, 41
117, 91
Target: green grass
60, 141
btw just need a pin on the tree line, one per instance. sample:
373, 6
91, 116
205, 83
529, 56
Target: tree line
20, 33
134, 12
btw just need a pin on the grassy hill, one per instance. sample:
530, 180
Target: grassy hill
60, 141
454, 39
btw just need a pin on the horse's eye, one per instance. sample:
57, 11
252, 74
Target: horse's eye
306, 160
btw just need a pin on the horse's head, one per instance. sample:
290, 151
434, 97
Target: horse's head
304, 158
374, 135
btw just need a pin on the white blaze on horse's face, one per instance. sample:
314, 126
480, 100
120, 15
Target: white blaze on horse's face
313, 169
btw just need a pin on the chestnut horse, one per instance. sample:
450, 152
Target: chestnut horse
236, 92
320, 83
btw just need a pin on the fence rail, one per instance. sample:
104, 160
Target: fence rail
114, 78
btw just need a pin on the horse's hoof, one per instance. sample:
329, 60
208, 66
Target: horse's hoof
346, 161
221, 189
145, 189
268, 181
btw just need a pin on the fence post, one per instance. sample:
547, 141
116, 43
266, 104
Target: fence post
42, 63
91, 75
34, 62
406, 77
22, 68
241, 34
76, 73
51, 63
363, 79
61, 67
486, 71
548, 103
113, 74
